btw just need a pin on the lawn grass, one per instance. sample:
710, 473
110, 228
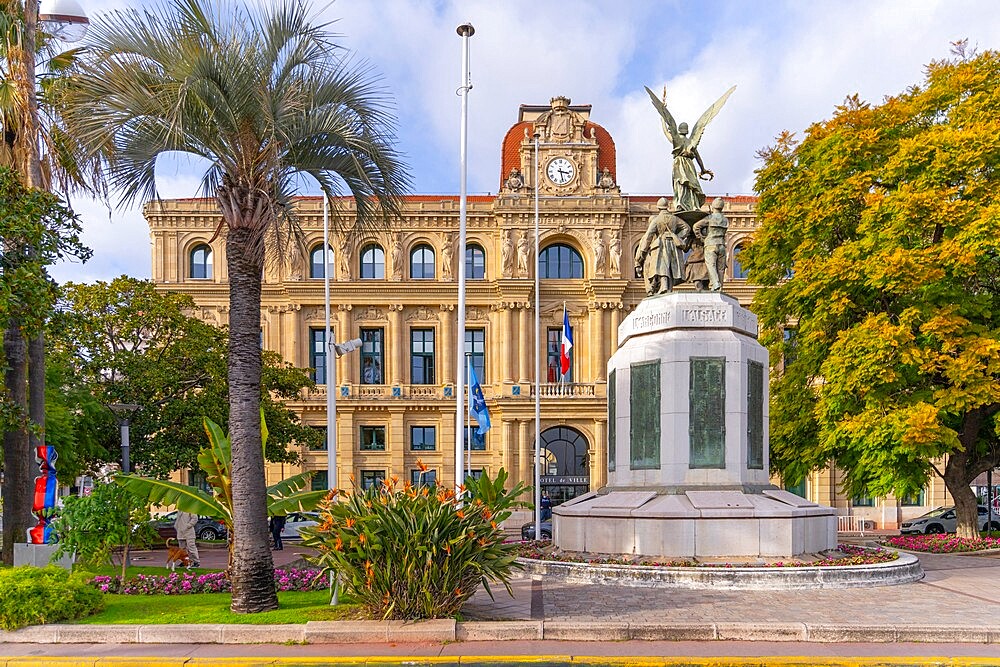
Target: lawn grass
135, 570
295, 607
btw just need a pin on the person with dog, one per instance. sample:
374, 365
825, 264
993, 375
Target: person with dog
185, 526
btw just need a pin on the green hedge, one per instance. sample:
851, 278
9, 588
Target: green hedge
33, 595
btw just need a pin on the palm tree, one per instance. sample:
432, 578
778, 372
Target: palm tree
265, 97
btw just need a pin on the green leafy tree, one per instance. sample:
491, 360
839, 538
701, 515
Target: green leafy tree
109, 522
216, 460
885, 218
266, 98
35, 230
125, 342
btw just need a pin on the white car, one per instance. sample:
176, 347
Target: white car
944, 520
296, 521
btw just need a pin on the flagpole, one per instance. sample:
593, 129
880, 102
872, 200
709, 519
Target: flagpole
538, 368
465, 31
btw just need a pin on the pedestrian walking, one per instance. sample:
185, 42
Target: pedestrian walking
277, 525
186, 539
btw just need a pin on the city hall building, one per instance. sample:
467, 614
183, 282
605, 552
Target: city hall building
397, 290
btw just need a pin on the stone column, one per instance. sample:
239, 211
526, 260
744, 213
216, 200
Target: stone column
396, 341
397, 444
526, 451
599, 455
509, 448
508, 345
616, 319
449, 327
526, 335
345, 365
599, 356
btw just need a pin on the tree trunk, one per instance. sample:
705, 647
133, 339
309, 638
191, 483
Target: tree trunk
957, 480
36, 394
16, 453
252, 573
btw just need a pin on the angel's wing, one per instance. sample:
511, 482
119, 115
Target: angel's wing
706, 118
668, 120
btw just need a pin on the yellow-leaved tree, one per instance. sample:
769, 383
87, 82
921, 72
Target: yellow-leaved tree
880, 249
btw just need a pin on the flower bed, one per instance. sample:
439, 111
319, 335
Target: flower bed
183, 583
846, 554
942, 544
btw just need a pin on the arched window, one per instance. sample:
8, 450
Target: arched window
739, 273
372, 262
475, 262
422, 263
561, 261
316, 262
201, 262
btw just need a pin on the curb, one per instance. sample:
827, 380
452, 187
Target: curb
448, 630
503, 661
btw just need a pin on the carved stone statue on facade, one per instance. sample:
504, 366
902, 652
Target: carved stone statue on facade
344, 258
615, 254
515, 181
507, 255
397, 257
606, 182
688, 195
713, 230
447, 259
523, 253
659, 257
600, 254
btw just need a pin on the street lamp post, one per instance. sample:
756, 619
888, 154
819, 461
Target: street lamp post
124, 412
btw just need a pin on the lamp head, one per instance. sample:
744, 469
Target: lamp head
65, 20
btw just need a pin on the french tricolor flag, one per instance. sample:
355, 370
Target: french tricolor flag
567, 344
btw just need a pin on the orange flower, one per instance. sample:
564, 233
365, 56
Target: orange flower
395, 480
493, 525
422, 466
349, 523
460, 514
361, 538
487, 514
458, 592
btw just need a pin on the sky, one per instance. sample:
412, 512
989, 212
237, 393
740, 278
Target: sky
792, 63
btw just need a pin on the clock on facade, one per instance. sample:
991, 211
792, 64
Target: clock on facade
560, 171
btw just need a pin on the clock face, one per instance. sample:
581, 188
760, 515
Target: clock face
560, 171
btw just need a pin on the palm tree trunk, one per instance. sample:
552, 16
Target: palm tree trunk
16, 454
252, 572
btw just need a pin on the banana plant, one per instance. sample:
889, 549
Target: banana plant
288, 495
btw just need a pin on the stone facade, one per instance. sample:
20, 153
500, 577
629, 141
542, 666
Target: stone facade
589, 229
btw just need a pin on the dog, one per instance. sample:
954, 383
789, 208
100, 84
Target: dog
177, 556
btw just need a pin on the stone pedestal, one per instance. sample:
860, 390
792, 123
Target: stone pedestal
687, 444
40, 555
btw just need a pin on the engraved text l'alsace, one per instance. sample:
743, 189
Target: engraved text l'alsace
705, 315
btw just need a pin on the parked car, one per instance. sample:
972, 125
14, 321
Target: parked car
296, 521
207, 528
528, 530
944, 520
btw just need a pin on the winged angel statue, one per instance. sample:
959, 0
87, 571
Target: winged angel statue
688, 195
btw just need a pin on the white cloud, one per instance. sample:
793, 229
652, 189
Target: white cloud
792, 62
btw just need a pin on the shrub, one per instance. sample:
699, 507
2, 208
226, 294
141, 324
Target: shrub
32, 595
417, 552
943, 544
184, 583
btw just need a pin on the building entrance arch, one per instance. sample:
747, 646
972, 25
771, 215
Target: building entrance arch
565, 463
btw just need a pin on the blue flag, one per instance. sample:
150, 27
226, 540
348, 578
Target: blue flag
478, 403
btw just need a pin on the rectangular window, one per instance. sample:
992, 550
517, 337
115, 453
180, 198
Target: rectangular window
372, 439
423, 439
707, 410
798, 489
319, 447
475, 347
473, 440
755, 415
422, 356
612, 422
553, 356
319, 481
913, 500
428, 478
317, 355
644, 411
475, 473
863, 501
372, 356
199, 480
370, 478
791, 346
